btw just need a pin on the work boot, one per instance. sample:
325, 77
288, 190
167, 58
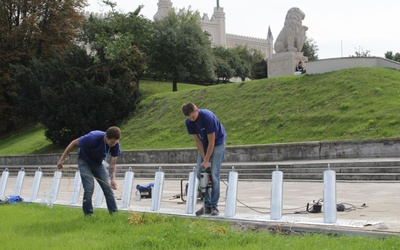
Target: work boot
203, 210
214, 211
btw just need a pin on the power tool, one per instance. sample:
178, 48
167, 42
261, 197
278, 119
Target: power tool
205, 180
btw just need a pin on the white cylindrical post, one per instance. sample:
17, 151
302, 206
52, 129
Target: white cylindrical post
20, 181
191, 196
77, 188
157, 191
55, 186
36, 185
276, 195
231, 194
3, 182
329, 205
98, 199
127, 191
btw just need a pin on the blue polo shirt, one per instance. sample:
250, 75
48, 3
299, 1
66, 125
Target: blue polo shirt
207, 123
93, 149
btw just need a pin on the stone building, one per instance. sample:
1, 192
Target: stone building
216, 27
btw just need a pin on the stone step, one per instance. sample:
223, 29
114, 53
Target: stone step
346, 169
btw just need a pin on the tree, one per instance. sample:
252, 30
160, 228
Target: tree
242, 62
310, 49
180, 50
389, 55
31, 29
71, 94
223, 69
361, 53
119, 37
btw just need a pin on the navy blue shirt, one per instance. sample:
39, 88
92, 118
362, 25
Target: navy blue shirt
93, 149
207, 123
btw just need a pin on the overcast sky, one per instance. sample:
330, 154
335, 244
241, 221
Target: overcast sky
339, 27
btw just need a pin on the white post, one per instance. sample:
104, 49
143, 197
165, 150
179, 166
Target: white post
36, 185
231, 193
329, 205
98, 199
77, 188
191, 196
127, 191
55, 186
3, 182
20, 181
157, 191
276, 195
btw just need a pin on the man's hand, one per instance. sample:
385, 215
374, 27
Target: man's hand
113, 184
60, 164
205, 164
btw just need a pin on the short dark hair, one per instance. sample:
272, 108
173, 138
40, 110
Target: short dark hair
188, 108
113, 133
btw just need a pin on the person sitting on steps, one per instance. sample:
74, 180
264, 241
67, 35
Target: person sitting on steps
300, 68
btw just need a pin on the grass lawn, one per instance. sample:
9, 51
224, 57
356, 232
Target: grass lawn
31, 226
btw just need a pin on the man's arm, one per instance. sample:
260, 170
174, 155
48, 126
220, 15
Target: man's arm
210, 149
199, 145
112, 168
67, 150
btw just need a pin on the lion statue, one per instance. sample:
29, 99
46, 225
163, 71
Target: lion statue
293, 34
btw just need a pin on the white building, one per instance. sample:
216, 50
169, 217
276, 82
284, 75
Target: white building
215, 26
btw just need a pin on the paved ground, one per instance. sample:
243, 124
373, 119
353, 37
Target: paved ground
380, 214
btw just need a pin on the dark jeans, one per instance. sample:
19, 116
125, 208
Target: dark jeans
103, 178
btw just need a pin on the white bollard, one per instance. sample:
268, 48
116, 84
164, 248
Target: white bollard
191, 196
36, 185
98, 199
3, 182
276, 195
157, 191
77, 188
329, 205
231, 194
127, 191
20, 181
54, 187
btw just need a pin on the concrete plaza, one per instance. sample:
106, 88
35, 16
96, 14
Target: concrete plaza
371, 207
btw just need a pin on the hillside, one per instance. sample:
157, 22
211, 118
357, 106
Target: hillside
349, 104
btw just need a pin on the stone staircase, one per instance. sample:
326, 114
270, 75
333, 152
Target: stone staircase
367, 169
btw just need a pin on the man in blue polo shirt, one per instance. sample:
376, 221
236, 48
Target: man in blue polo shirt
209, 136
93, 152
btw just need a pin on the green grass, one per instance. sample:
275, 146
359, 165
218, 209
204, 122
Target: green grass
30, 140
357, 103
31, 226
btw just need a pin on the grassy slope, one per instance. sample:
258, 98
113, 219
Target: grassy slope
349, 104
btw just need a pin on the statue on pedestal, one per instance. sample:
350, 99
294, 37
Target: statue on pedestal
293, 35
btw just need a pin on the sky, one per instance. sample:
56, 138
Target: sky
339, 28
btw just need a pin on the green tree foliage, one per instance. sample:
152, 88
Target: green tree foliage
180, 50
120, 38
71, 95
223, 68
395, 57
259, 67
239, 62
31, 29
310, 49
242, 62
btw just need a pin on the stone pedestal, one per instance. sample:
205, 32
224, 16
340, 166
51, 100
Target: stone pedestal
284, 64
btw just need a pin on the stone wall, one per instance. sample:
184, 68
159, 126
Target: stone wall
335, 64
370, 148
